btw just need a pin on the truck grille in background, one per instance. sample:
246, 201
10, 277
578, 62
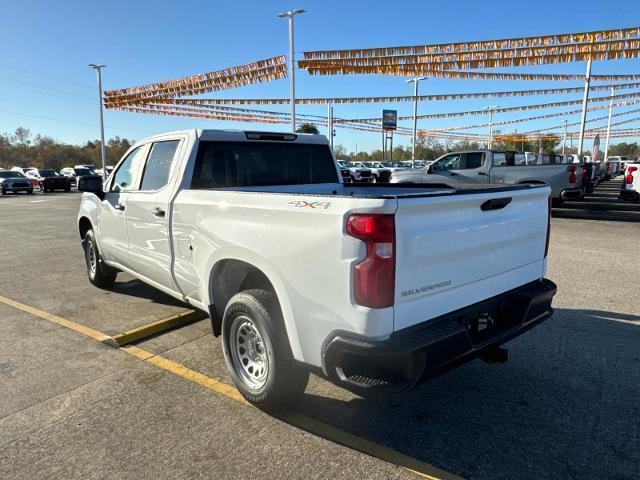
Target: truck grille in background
365, 173
20, 185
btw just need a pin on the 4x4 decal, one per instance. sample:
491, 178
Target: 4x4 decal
314, 205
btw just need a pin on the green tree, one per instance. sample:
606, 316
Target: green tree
22, 149
340, 152
625, 150
308, 128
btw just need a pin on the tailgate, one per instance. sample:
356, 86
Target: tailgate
451, 253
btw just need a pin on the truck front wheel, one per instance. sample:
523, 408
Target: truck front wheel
101, 275
257, 352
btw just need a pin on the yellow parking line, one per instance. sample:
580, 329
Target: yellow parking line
316, 427
90, 332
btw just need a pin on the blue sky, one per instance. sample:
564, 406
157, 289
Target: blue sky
45, 84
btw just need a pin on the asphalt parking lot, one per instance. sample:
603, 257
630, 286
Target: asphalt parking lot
565, 406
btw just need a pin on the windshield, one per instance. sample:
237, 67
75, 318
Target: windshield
83, 172
11, 174
347, 164
48, 173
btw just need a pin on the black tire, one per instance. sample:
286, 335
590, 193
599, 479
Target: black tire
67, 189
100, 274
557, 202
284, 380
30, 191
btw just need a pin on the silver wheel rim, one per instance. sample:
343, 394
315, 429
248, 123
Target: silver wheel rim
248, 353
91, 256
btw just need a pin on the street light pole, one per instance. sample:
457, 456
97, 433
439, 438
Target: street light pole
103, 152
585, 99
292, 67
415, 81
606, 144
564, 138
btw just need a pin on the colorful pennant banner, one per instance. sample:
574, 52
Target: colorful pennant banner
261, 71
502, 109
499, 44
394, 99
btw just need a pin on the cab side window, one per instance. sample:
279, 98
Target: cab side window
450, 162
474, 160
158, 167
125, 177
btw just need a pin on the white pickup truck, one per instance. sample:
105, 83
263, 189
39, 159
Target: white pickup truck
631, 182
374, 287
490, 166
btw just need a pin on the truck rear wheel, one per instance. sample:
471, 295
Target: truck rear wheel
100, 274
257, 351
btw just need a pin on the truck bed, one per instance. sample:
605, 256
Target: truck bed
383, 190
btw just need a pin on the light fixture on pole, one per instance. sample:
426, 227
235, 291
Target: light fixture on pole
490, 108
292, 67
415, 81
103, 152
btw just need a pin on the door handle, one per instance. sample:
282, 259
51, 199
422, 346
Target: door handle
482, 173
453, 174
495, 204
158, 212
119, 206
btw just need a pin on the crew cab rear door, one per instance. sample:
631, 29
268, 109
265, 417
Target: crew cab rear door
148, 214
474, 168
456, 250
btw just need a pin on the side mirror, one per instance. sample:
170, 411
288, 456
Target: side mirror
91, 184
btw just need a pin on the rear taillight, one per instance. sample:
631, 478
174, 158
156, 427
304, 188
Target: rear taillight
374, 275
572, 169
608, 167
584, 174
629, 177
546, 245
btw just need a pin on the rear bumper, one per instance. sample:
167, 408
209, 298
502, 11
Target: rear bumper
571, 193
437, 345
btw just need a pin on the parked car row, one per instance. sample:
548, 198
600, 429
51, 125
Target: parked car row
567, 176
28, 179
375, 172
500, 167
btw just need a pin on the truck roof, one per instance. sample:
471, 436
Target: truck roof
244, 135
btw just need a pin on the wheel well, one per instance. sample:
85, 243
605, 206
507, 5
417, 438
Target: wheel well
229, 277
84, 225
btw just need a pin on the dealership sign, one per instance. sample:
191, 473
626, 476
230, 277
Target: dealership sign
389, 119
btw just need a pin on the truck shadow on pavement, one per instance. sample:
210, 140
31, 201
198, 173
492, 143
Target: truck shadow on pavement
564, 406
138, 289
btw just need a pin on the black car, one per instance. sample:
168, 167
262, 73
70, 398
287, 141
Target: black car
50, 180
